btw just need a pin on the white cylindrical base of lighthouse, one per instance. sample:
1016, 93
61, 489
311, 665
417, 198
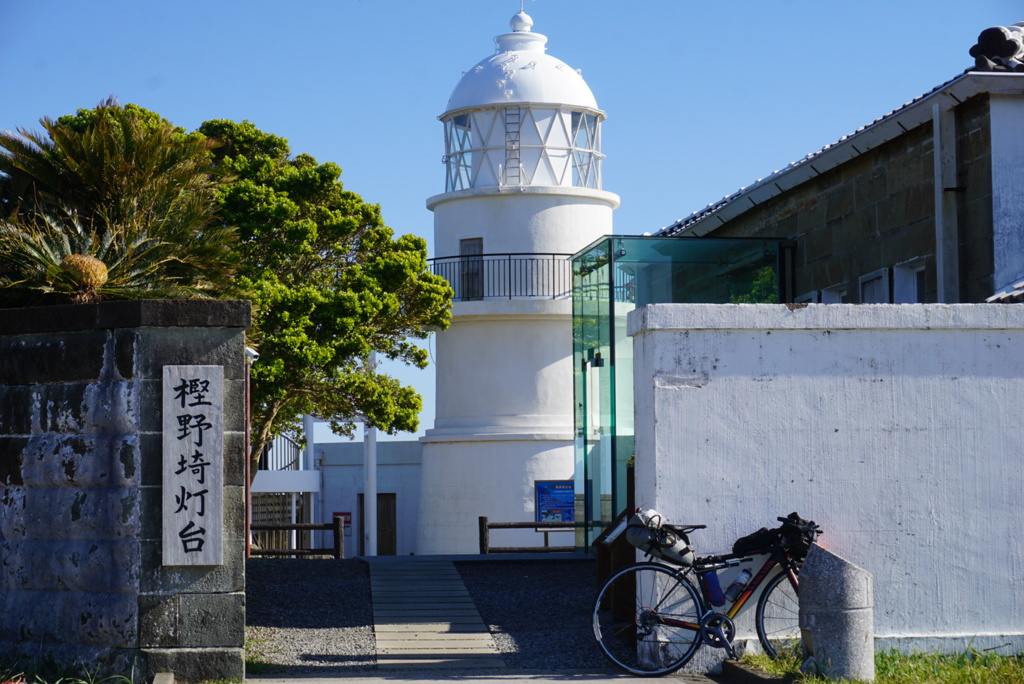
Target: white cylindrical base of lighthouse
504, 422
505, 367
464, 480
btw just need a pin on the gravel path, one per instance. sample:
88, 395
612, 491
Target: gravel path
538, 612
314, 617
309, 615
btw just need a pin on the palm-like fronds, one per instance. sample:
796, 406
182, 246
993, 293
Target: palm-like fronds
139, 263
132, 193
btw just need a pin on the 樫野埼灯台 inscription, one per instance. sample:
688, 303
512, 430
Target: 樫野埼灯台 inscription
193, 465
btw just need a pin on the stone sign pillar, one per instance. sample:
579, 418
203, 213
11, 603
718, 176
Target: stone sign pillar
837, 617
122, 425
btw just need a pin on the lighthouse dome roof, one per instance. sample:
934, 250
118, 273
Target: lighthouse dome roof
521, 72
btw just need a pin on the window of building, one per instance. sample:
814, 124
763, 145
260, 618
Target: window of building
874, 287
812, 297
909, 283
835, 295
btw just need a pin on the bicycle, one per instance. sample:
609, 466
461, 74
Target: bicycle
650, 619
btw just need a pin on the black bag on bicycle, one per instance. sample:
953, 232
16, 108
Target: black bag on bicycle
761, 540
797, 535
646, 532
794, 534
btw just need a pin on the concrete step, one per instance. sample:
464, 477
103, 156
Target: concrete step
433, 627
425, 619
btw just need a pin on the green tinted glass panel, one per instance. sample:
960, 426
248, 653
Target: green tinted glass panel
612, 277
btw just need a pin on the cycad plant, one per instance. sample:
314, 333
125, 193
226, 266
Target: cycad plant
62, 259
109, 204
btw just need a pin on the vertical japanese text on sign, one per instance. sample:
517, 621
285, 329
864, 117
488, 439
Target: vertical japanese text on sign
193, 465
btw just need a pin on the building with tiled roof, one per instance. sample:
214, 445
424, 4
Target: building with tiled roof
924, 204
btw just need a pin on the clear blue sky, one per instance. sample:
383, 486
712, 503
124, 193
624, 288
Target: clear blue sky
702, 96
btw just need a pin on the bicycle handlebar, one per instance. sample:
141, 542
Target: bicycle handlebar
810, 527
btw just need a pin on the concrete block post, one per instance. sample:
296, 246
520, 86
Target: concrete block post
837, 617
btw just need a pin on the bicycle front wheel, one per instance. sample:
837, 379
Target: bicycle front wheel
647, 620
778, 617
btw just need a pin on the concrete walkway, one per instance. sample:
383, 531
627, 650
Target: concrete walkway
423, 617
429, 630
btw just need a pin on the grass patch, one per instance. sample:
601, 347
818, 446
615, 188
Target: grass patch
53, 673
255, 659
786, 666
892, 667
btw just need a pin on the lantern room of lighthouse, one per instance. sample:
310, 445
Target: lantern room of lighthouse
522, 162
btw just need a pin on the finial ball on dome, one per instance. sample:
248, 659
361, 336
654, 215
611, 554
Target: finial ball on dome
521, 22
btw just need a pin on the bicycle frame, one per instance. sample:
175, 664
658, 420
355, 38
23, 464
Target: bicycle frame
650, 618
776, 558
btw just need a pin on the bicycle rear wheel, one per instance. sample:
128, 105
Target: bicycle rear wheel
647, 620
778, 617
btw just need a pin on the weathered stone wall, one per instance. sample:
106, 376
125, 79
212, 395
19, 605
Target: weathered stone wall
878, 210
80, 488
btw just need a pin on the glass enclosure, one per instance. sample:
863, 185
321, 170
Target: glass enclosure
612, 277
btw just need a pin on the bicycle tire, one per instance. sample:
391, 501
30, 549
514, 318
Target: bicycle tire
778, 617
629, 620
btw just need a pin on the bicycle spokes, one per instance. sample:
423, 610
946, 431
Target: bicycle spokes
646, 620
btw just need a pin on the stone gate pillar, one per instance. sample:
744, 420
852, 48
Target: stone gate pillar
83, 570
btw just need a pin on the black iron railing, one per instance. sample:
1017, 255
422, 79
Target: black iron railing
506, 276
281, 454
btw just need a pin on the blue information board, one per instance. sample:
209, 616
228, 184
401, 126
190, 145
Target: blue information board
556, 501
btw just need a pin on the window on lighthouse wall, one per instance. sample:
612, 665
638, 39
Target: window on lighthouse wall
521, 145
471, 269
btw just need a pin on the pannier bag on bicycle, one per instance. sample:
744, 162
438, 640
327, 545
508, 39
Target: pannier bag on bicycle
646, 531
795, 534
755, 541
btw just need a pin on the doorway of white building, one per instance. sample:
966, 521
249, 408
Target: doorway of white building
387, 524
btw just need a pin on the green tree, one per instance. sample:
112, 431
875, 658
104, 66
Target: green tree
330, 284
113, 202
763, 288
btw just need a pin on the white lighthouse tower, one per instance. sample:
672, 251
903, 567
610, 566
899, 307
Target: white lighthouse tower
522, 193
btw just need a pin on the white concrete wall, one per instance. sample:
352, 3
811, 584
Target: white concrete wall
895, 427
398, 472
463, 480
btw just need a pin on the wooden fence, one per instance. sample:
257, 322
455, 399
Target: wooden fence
485, 536
337, 526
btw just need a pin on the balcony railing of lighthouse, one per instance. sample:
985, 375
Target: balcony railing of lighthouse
506, 276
